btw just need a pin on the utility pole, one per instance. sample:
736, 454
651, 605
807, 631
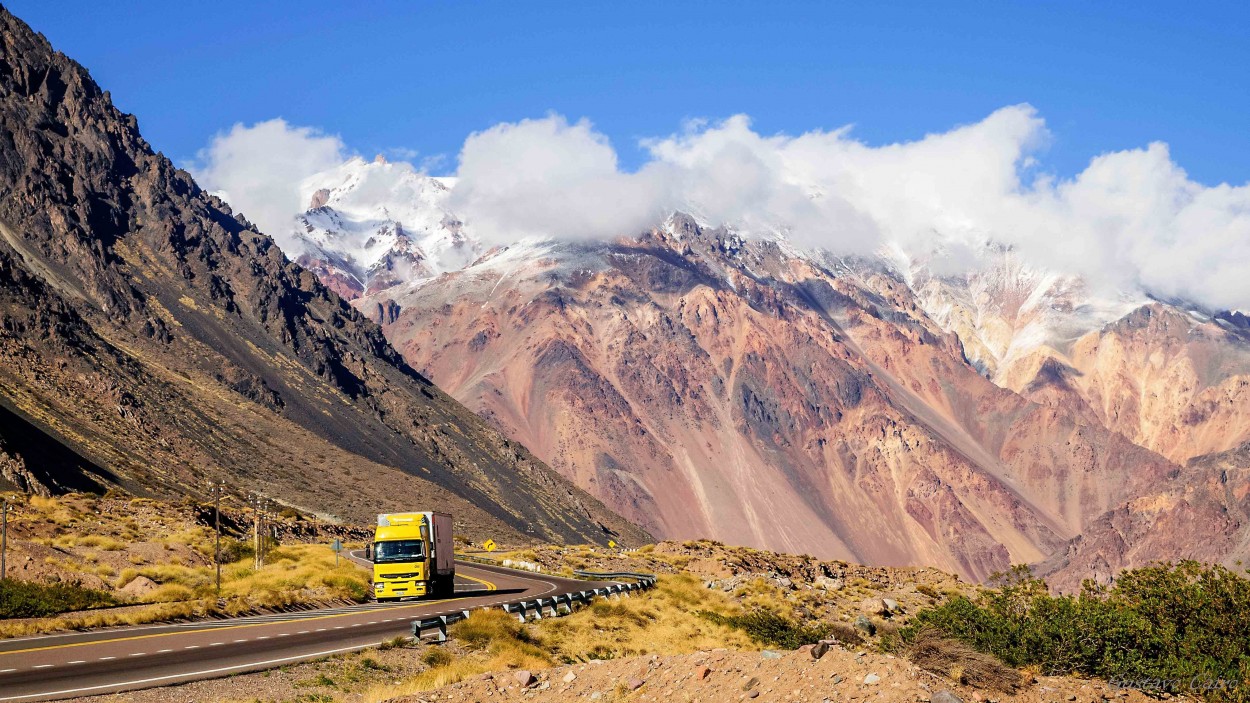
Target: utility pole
215, 489
255, 501
4, 540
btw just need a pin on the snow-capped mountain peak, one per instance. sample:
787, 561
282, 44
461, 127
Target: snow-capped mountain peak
372, 225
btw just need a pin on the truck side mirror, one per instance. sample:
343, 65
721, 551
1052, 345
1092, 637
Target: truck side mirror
369, 551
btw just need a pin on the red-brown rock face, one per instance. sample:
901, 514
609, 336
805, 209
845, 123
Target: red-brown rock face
705, 386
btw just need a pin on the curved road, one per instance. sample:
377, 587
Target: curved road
67, 665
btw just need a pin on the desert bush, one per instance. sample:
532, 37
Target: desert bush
1177, 627
944, 656
24, 599
771, 628
435, 657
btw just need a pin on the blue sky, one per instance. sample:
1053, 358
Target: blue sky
422, 76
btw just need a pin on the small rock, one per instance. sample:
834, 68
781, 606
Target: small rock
871, 679
635, 684
819, 650
750, 683
524, 678
945, 696
702, 673
891, 605
569, 677
753, 694
596, 696
865, 625
770, 654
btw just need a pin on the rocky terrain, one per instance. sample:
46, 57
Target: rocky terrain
154, 341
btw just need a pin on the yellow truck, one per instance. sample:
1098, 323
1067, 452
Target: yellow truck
413, 556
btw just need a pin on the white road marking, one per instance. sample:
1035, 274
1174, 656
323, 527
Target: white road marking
137, 654
192, 646
238, 641
104, 659
42, 666
302, 632
76, 661
284, 634
216, 644
263, 637
5, 671
162, 651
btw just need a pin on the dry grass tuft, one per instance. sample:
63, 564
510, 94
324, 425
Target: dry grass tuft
959, 662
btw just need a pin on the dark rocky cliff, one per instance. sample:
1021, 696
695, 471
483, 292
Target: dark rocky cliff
159, 342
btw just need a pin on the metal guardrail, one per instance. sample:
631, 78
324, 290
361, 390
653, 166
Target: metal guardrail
538, 608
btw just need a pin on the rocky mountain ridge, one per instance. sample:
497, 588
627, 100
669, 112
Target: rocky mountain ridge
151, 339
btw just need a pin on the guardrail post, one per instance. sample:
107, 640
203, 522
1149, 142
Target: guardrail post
517, 609
564, 605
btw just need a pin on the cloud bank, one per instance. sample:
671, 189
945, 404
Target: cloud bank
1132, 219
258, 170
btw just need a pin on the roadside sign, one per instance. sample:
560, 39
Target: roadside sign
489, 545
337, 546
612, 544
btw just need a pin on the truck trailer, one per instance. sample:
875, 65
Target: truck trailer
413, 556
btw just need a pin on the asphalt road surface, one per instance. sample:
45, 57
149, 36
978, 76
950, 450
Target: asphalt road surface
67, 665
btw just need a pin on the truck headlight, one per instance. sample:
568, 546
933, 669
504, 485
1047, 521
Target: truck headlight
378, 586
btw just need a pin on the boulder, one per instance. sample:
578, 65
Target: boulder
873, 606
138, 587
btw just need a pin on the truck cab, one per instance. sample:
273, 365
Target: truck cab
413, 556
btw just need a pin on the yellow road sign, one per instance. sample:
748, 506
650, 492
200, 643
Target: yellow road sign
612, 544
489, 545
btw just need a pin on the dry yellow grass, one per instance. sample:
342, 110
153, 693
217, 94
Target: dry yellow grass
662, 621
304, 573
112, 542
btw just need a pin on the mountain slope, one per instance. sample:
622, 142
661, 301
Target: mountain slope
165, 342
706, 385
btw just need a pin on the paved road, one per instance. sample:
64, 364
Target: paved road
119, 659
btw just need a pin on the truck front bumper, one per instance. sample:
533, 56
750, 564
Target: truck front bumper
399, 589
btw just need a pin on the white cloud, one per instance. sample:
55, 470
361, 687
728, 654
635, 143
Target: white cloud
1131, 220
258, 170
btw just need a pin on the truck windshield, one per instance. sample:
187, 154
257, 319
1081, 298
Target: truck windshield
398, 550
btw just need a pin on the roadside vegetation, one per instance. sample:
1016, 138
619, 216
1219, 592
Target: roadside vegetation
1174, 628
662, 621
118, 560
19, 599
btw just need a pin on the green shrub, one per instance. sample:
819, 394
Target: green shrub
770, 628
23, 599
1180, 628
